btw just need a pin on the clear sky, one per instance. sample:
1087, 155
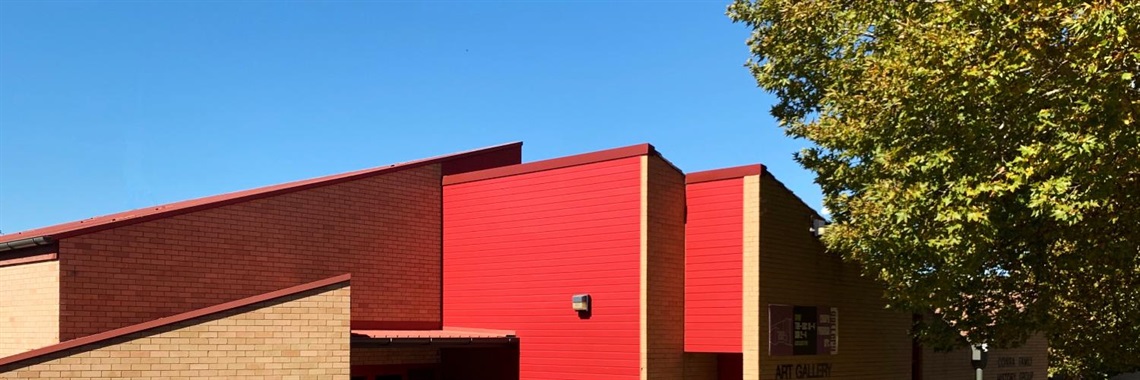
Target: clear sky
107, 107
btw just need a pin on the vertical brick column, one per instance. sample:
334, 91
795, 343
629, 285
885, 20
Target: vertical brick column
751, 304
663, 278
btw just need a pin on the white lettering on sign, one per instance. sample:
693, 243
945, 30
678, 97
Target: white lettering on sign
803, 371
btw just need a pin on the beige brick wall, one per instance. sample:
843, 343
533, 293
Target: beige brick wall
874, 343
389, 356
303, 336
1028, 362
751, 347
665, 271
29, 307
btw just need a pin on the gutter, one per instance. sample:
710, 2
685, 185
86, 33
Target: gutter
25, 243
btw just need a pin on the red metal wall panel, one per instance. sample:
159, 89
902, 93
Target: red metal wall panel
714, 250
517, 248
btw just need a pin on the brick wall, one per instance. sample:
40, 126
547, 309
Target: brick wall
665, 270
390, 356
1028, 362
752, 346
29, 306
700, 366
384, 229
304, 336
874, 343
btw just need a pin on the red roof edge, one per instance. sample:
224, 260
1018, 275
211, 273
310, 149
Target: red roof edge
29, 259
155, 212
554, 163
91, 339
725, 173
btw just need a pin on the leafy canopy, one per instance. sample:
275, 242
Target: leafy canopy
980, 158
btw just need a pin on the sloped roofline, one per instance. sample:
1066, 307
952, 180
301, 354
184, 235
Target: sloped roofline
116, 333
553, 163
744, 171
99, 223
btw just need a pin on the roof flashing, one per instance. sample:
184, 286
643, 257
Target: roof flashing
103, 222
551, 164
725, 173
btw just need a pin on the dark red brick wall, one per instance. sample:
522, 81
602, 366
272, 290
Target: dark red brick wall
665, 270
385, 230
507, 155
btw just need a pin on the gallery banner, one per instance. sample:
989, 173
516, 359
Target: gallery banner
803, 330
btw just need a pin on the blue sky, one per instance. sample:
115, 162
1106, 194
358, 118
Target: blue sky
106, 107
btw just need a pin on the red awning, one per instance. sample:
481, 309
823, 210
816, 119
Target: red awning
446, 336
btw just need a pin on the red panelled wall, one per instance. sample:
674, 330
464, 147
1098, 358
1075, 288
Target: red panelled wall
714, 248
518, 247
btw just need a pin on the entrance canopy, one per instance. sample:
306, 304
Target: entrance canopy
448, 336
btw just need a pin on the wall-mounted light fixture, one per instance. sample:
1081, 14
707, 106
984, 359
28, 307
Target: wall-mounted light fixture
581, 303
818, 226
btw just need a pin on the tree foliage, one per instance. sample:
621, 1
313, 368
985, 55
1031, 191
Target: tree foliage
980, 158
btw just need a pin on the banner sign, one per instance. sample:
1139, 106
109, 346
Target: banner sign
803, 330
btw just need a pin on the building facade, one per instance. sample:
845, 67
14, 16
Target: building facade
464, 266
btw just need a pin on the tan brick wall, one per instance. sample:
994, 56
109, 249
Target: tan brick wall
304, 336
29, 307
665, 334
874, 343
1028, 362
388, 356
751, 346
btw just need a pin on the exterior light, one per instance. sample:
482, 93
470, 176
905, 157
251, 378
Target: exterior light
581, 303
818, 226
978, 358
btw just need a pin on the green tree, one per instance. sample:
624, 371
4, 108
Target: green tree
980, 158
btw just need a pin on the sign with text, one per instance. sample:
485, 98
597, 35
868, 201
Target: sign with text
803, 371
803, 330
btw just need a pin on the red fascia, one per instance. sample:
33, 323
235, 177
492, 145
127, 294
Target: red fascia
91, 339
504, 154
725, 173
555, 163
28, 259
